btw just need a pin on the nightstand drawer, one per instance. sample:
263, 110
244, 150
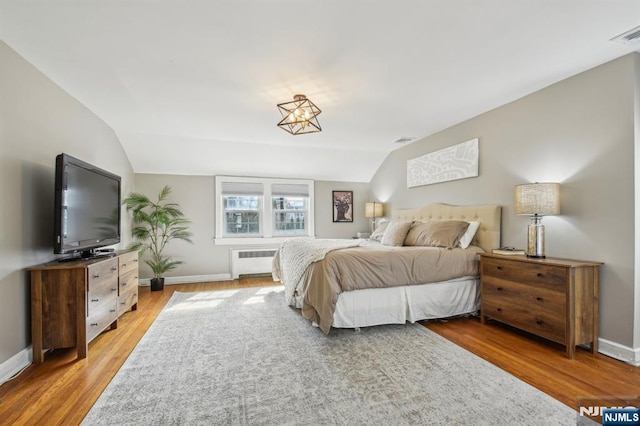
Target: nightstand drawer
539, 322
531, 308
538, 297
553, 277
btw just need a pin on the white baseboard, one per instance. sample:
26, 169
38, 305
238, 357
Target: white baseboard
15, 364
189, 279
618, 351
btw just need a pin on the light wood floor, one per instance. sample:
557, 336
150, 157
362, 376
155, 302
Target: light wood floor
63, 388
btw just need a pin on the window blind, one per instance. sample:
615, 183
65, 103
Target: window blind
289, 189
242, 188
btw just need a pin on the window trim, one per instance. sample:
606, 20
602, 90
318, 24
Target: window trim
267, 214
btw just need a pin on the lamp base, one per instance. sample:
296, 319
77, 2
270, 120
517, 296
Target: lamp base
535, 240
534, 256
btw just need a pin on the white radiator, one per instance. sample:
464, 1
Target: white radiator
251, 261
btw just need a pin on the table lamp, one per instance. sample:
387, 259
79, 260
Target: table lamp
374, 210
537, 200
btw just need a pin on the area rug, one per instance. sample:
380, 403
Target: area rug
242, 357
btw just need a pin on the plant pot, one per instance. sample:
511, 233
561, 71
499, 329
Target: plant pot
157, 284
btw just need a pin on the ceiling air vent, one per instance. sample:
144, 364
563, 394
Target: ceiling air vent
631, 37
405, 139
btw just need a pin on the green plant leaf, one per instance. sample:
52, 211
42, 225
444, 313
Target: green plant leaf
154, 225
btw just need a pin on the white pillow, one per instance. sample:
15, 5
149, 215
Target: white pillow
466, 238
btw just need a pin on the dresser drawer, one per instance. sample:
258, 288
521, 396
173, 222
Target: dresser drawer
128, 262
550, 276
100, 318
102, 284
128, 281
103, 271
127, 300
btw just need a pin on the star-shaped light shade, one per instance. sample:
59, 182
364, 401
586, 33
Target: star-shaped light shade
299, 116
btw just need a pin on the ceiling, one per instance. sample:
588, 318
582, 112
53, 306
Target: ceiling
191, 87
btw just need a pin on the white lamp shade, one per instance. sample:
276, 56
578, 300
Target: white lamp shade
374, 209
537, 199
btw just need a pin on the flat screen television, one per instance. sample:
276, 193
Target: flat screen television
87, 207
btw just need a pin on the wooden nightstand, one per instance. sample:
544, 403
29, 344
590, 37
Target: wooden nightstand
552, 298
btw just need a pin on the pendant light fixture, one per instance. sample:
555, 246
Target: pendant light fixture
299, 116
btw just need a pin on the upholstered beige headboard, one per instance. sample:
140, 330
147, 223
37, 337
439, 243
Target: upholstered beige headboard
489, 216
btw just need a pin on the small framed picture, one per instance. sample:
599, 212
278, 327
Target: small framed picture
343, 206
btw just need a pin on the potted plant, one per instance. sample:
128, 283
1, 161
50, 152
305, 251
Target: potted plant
155, 224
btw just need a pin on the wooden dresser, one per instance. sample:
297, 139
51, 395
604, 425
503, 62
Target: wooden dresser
72, 302
556, 299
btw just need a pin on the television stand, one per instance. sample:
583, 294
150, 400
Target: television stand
74, 300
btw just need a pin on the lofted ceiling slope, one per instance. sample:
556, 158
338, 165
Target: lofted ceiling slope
191, 87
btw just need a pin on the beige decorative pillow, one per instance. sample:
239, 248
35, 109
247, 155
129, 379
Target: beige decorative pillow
436, 234
395, 233
379, 231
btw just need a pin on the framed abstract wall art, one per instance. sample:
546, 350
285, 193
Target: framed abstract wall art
343, 206
455, 162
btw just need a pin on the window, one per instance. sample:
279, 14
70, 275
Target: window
290, 206
254, 210
242, 203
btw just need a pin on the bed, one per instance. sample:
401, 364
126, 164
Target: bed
360, 283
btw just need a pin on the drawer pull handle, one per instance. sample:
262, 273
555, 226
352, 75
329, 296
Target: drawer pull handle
113, 289
112, 310
123, 284
122, 303
96, 276
499, 309
114, 269
499, 288
94, 324
124, 265
95, 300
136, 260
539, 274
499, 268
539, 321
539, 299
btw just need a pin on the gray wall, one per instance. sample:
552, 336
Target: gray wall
196, 196
578, 132
325, 227
37, 122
